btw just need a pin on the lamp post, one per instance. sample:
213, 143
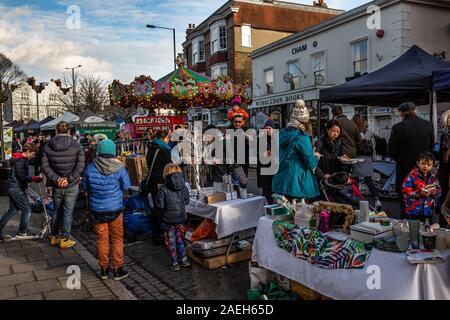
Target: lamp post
73, 85
151, 26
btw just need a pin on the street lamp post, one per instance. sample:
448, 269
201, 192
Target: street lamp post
151, 26
73, 85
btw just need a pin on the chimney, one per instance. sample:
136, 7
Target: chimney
32, 82
57, 82
320, 3
190, 28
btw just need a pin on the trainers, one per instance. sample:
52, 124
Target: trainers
55, 240
185, 263
66, 243
120, 274
175, 267
24, 235
104, 273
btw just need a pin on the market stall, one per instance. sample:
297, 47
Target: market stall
67, 117
398, 279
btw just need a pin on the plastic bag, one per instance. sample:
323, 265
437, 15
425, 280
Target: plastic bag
137, 222
206, 229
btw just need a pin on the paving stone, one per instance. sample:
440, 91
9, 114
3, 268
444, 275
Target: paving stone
12, 260
5, 270
14, 279
50, 273
31, 297
37, 243
103, 298
3, 252
14, 252
66, 294
8, 293
43, 256
37, 287
58, 262
30, 266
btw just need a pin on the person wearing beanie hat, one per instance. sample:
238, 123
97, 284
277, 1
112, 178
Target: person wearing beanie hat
105, 180
236, 109
299, 115
269, 123
295, 178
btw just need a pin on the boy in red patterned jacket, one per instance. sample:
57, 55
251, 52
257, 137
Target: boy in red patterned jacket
421, 189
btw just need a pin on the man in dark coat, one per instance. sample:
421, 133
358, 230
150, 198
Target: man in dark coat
63, 164
350, 136
409, 138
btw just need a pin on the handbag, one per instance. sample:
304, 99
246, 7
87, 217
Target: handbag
144, 184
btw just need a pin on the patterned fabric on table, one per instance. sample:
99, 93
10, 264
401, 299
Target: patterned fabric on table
311, 245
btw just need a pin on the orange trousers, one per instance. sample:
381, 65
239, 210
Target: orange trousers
110, 231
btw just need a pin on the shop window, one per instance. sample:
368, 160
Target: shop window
359, 56
268, 75
318, 68
276, 117
246, 36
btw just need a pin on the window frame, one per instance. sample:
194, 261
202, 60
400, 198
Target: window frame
220, 67
273, 81
322, 70
297, 63
197, 49
354, 61
249, 44
216, 37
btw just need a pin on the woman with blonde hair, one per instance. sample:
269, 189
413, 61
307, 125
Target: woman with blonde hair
444, 159
172, 198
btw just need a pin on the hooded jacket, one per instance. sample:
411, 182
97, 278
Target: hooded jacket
63, 157
172, 199
295, 176
19, 176
105, 180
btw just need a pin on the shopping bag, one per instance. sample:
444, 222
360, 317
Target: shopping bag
206, 229
258, 275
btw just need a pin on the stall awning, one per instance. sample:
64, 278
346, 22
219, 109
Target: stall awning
408, 78
67, 116
25, 126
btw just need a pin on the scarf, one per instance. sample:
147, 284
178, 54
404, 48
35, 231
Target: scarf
162, 145
296, 124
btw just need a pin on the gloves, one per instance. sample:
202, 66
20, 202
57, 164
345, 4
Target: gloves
36, 179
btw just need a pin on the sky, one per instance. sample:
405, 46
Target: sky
109, 39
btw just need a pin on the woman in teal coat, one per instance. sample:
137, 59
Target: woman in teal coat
295, 177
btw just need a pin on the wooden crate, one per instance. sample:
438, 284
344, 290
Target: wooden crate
220, 261
306, 293
136, 168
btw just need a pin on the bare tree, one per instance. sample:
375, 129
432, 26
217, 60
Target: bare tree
92, 93
10, 75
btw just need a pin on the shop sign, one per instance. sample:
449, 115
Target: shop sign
157, 123
382, 110
286, 99
300, 48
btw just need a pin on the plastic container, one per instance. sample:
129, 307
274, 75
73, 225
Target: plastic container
364, 211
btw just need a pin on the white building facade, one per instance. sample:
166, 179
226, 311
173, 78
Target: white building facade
36, 102
346, 46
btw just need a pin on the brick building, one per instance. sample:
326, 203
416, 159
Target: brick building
222, 43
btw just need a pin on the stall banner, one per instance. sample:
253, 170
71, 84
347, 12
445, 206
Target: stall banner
7, 142
109, 129
157, 123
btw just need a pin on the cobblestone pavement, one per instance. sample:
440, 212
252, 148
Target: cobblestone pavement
33, 270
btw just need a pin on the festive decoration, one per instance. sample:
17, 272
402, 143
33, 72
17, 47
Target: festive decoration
179, 90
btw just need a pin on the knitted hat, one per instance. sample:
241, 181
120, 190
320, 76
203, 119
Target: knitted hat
107, 147
300, 113
236, 101
269, 123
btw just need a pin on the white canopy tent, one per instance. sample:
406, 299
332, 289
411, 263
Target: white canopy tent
67, 116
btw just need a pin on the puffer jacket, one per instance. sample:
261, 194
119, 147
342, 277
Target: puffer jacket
63, 157
172, 199
105, 180
19, 176
295, 177
416, 204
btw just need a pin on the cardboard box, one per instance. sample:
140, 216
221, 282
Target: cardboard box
218, 197
275, 210
360, 233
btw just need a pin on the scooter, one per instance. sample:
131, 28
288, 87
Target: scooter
46, 225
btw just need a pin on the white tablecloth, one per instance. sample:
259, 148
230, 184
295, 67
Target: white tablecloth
399, 278
230, 216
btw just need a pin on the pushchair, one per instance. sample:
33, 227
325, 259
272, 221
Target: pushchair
341, 188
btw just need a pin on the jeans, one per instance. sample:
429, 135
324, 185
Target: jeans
18, 200
104, 232
174, 242
64, 200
